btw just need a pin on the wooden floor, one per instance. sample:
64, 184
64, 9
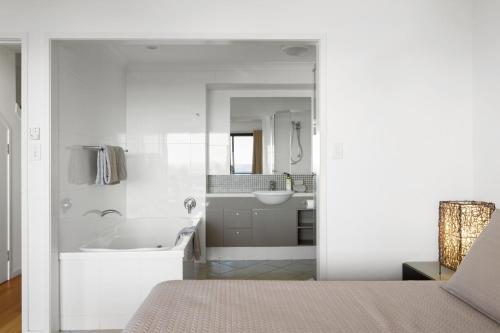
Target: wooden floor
10, 306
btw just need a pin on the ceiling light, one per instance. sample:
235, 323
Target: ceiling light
295, 50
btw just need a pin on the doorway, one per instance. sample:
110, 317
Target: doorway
10, 184
184, 148
5, 198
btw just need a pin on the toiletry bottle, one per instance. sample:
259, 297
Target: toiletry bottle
288, 182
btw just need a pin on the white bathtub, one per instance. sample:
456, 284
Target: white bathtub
102, 285
145, 234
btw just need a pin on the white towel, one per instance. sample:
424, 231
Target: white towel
111, 166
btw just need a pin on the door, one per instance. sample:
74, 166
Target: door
274, 227
4, 201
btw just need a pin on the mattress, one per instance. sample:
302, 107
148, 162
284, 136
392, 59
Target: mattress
213, 306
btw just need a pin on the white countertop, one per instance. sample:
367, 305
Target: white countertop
251, 195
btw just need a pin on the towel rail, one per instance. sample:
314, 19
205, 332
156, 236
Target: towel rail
98, 148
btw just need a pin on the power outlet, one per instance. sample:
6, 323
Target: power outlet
36, 152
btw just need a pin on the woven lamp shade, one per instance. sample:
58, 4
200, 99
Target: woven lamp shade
460, 223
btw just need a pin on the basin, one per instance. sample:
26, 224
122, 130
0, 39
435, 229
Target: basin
273, 197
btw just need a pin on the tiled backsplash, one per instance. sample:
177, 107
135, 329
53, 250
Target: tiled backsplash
250, 183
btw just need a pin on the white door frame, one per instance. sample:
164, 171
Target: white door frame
9, 197
21, 40
320, 169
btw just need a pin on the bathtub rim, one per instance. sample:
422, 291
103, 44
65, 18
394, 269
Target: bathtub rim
176, 251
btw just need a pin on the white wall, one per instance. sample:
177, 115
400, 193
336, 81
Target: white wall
90, 94
487, 115
7, 103
396, 82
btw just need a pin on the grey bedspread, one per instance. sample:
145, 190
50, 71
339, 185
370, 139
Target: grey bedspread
305, 306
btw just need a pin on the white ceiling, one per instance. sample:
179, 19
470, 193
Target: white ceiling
253, 108
203, 52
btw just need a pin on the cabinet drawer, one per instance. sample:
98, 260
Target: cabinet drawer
237, 237
237, 218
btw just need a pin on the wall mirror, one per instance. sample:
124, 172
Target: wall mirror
270, 135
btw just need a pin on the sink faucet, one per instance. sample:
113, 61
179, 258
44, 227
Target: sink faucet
272, 185
110, 211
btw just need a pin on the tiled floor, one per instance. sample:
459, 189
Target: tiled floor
257, 270
93, 331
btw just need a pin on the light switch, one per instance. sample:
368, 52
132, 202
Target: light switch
338, 151
36, 152
35, 133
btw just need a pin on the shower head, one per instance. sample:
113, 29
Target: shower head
296, 124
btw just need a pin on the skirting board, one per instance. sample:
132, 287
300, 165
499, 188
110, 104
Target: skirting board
261, 253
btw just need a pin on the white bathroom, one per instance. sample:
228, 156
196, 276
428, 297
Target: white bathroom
154, 180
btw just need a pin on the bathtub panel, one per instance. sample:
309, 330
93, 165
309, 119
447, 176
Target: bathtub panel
103, 291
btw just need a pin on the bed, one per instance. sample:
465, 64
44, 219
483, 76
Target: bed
305, 306
468, 303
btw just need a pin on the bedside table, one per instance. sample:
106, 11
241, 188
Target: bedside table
425, 270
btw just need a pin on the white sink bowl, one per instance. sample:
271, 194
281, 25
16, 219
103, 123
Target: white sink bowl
273, 197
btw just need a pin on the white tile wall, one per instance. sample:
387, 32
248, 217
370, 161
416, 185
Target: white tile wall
166, 140
91, 108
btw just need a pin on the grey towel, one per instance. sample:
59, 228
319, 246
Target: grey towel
111, 166
82, 167
196, 240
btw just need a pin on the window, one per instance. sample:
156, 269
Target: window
241, 153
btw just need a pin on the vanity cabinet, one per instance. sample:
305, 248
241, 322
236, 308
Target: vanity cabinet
274, 227
244, 221
215, 227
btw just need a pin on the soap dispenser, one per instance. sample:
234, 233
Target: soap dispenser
288, 182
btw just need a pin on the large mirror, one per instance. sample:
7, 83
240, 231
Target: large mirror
270, 135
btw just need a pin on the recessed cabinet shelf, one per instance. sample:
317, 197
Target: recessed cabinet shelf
306, 227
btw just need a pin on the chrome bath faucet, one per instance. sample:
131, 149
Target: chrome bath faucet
189, 204
110, 211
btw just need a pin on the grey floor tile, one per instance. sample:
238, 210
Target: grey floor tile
257, 269
305, 276
299, 267
279, 274
279, 263
309, 262
241, 263
217, 267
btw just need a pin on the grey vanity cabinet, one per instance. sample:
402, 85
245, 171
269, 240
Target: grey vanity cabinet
215, 227
274, 227
234, 221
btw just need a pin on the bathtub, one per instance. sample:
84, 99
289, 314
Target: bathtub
103, 284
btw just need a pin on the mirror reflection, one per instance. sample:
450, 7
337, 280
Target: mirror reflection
270, 135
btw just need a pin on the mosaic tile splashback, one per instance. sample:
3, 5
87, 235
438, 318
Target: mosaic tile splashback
250, 183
